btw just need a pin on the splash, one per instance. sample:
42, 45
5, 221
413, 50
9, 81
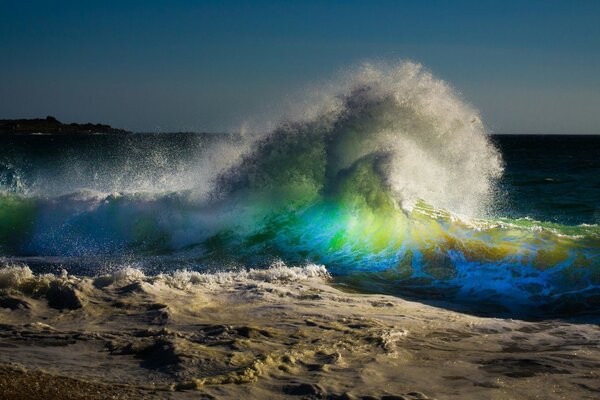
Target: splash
412, 130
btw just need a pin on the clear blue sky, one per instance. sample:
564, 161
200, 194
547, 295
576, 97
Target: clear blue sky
529, 66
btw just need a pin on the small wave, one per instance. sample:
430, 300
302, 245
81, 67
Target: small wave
21, 277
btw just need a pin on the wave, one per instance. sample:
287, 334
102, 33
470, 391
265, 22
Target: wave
22, 278
397, 124
388, 179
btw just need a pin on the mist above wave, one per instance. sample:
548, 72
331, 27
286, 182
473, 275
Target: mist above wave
421, 138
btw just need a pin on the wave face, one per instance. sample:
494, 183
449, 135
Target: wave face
386, 177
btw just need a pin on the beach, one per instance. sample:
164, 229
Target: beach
276, 333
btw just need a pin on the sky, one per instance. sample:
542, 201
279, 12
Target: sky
528, 66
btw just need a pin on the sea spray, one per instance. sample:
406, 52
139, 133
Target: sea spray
426, 143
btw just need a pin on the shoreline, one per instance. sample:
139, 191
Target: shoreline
278, 333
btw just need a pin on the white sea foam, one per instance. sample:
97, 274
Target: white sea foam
12, 275
276, 273
21, 277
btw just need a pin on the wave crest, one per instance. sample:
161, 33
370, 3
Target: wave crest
425, 142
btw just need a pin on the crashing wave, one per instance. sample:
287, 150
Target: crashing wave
387, 177
399, 123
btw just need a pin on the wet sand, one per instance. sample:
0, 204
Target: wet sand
279, 333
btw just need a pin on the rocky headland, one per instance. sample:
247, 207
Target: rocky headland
51, 125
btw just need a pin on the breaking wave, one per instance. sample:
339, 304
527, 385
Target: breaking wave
386, 176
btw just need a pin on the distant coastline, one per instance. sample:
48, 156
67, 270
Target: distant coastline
51, 125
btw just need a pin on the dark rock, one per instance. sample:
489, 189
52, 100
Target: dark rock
62, 297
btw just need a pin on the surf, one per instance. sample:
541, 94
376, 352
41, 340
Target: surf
385, 176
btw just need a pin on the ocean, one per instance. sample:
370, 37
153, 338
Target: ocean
91, 204
376, 241
399, 195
